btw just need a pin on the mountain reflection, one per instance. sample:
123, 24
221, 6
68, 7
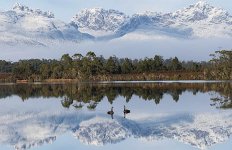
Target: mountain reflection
77, 95
24, 131
34, 124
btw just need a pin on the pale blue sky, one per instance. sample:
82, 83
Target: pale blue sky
66, 9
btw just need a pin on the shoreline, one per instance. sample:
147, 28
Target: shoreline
74, 81
174, 76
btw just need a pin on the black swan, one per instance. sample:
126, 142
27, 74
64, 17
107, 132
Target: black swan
126, 111
111, 112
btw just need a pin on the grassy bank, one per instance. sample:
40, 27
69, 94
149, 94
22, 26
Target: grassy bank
175, 75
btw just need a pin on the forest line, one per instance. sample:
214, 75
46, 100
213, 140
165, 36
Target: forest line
97, 68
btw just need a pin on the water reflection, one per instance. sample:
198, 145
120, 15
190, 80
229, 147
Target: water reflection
126, 111
111, 112
28, 128
26, 131
76, 95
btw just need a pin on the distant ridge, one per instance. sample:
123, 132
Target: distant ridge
200, 20
35, 27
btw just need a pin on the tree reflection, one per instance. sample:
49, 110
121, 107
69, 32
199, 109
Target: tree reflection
77, 95
222, 102
66, 102
222, 96
78, 106
92, 105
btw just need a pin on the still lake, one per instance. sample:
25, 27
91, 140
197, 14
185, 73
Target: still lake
163, 115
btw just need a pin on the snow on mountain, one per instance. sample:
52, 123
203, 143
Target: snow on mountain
99, 21
24, 25
200, 20
205, 20
196, 21
21, 9
203, 11
155, 24
35, 27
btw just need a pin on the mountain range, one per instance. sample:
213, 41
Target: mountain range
23, 25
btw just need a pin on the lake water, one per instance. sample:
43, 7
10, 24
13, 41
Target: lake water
163, 115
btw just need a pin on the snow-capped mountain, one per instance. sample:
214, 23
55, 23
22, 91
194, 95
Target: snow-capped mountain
205, 20
203, 11
24, 25
35, 27
199, 20
97, 20
153, 24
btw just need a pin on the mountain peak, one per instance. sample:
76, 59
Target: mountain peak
19, 8
201, 3
94, 9
202, 11
99, 10
100, 19
201, 6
